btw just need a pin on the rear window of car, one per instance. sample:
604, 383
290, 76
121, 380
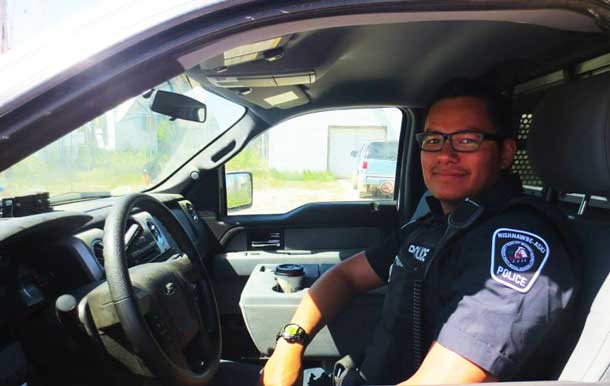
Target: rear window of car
382, 151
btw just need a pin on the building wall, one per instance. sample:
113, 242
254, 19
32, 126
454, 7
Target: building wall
290, 150
302, 143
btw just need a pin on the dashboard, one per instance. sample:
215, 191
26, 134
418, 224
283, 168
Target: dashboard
146, 241
45, 256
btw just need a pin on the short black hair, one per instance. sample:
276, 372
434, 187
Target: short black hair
499, 107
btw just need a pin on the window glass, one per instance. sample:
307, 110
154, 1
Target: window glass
341, 155
382, 151
129, 148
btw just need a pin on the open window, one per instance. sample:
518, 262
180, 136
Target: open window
331, 156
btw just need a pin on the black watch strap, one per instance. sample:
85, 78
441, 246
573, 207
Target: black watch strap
293, 333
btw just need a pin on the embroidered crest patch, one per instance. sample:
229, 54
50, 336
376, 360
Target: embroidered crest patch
517, 257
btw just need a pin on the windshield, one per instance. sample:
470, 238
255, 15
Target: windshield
382, 151
124, 150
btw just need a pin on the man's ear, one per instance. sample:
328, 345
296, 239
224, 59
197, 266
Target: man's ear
508, 147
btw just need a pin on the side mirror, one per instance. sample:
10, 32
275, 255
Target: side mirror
354, 153
239, 190
178, 106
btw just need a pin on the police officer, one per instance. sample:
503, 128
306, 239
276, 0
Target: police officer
476, 288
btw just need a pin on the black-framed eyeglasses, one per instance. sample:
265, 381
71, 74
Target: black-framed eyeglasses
466, 141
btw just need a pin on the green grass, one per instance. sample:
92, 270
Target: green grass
102, 174
272, 178
237, 199
99, 170
265, 177
306, 176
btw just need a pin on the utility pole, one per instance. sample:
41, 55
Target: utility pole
3, 27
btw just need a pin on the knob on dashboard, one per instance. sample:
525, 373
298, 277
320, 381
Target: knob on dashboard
66, 310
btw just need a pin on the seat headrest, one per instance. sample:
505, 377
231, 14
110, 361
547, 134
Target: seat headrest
569, 141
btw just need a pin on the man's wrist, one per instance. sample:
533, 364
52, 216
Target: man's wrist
288, 346
293, 333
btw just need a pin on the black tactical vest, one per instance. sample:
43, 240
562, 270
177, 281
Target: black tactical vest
399, 344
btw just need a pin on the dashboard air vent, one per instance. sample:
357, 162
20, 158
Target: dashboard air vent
98, 250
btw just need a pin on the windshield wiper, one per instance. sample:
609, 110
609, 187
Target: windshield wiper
77, 196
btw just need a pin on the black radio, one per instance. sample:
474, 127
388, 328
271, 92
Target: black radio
26, 205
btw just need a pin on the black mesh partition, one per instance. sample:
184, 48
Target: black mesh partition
521, 165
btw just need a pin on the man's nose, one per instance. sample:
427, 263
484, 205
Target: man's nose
447, 153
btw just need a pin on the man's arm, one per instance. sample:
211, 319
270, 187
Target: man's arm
443, 366
329, 294
333, 291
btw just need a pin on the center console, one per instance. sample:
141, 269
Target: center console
266, 309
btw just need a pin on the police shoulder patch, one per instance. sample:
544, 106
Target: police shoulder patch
517, 258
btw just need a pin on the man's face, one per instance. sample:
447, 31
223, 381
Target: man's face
452, 176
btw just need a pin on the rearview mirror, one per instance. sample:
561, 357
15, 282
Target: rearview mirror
178, 106
354, 153
239, 190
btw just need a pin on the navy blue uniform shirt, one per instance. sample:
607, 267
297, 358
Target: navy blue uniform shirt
496, 295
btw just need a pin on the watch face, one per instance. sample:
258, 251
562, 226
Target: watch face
293, 333
291, 329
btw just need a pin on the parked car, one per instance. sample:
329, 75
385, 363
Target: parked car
112, 288
375, 169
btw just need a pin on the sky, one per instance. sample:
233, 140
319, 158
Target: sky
29, 19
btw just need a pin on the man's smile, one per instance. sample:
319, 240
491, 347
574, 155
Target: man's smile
444, 172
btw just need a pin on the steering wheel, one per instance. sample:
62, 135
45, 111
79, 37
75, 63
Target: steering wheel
167, 310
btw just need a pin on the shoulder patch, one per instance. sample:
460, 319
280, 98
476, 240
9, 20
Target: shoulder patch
517, 258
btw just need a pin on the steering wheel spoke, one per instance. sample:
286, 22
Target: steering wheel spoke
187, 269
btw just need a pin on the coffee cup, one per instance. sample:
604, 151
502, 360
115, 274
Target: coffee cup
290, 277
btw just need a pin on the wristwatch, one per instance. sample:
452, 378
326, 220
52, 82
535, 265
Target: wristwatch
293, 333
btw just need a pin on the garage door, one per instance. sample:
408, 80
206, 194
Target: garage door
342, 140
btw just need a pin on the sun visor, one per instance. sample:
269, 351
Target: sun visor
277, 97
264, 50
272, 80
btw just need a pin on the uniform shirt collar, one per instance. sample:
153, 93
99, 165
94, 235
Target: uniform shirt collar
493, 197
436, 209
496, 196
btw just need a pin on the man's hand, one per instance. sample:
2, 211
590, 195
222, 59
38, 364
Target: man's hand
284, 368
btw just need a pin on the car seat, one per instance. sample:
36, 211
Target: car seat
569, 149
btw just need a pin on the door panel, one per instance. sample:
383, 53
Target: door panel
305, 239
324, 233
